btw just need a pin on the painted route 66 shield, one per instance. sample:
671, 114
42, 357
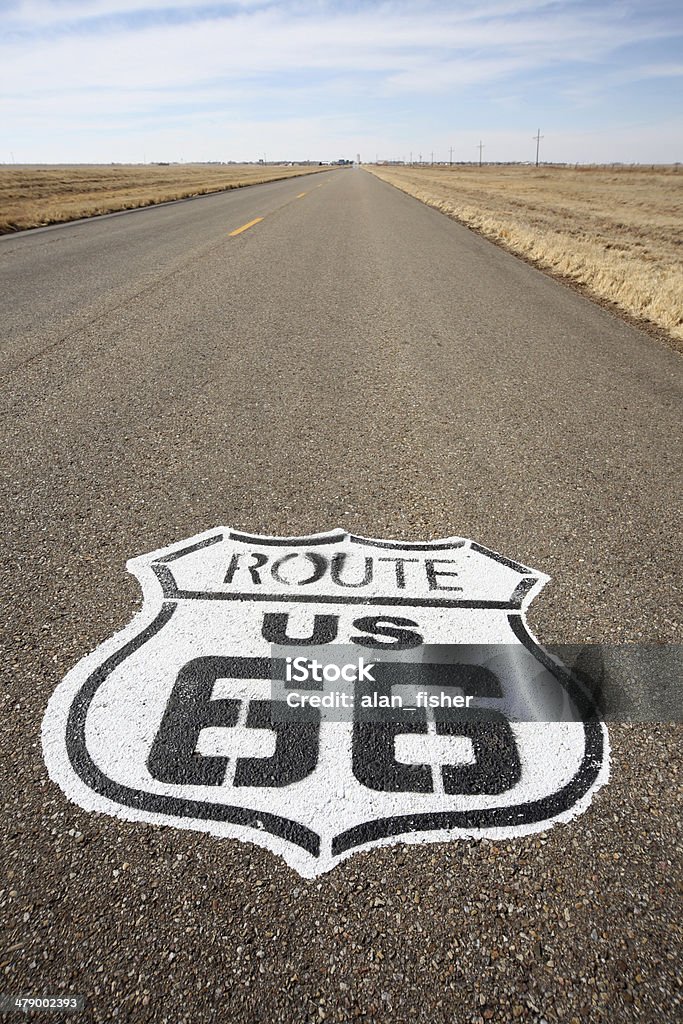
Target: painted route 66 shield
172, 721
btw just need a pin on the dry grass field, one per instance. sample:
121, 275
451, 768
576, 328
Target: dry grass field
617, 232
32, 196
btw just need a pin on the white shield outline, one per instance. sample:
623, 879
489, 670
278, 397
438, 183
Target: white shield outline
84, 782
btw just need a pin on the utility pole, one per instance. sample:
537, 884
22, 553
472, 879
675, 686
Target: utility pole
538, 143
411, 158
480, 147
420, 159
432, 158
451, 159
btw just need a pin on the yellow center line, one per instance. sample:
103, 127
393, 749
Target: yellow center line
250, 224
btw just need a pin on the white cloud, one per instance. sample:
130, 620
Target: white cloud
37, 13
409, 50
250, 57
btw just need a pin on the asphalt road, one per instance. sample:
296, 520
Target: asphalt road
354, 359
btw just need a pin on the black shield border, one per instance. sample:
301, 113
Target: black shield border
533, 812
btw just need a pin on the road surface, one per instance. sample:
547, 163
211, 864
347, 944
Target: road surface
352, 359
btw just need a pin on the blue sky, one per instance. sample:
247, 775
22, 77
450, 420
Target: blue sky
141, 80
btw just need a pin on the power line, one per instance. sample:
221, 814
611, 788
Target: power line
538, 143
480, 147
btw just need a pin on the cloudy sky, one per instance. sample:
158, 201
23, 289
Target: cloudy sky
141, 80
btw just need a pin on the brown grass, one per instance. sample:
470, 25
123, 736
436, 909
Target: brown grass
617, 232
32, 196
